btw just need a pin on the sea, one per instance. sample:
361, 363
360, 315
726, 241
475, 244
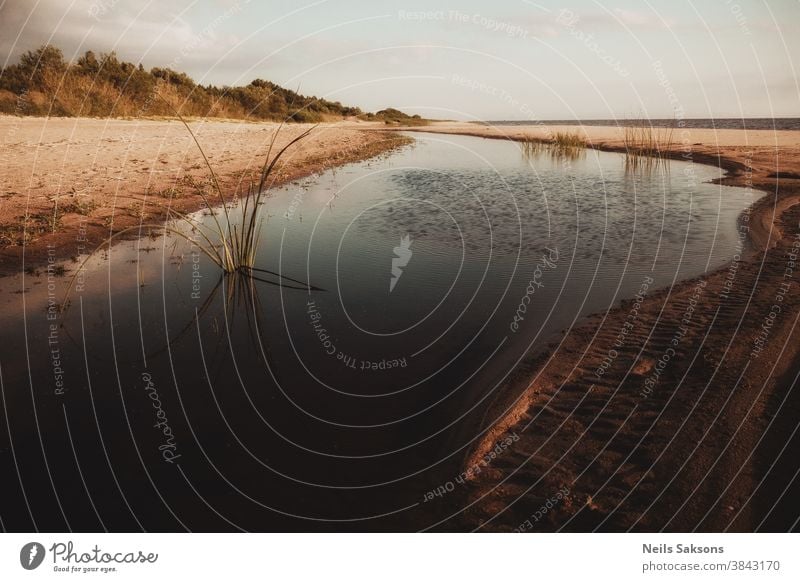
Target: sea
772, 123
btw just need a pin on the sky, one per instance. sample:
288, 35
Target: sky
454, 59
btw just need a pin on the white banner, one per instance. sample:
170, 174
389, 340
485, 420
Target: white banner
400, 557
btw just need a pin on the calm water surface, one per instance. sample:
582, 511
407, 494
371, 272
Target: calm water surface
169, 398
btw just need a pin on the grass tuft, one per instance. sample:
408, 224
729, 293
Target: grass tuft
231, 245
561, 146
647, 147
236, 244
568, 140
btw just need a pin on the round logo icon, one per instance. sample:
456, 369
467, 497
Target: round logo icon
31, 555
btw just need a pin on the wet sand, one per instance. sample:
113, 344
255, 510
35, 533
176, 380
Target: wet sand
69, 183
674, 411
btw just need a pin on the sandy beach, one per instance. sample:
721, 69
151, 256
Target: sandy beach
71, 182
667, 412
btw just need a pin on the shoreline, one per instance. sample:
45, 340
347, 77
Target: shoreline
659, 441
70, 183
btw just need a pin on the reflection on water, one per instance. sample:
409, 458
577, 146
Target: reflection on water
558, 152
646, 164
171, 397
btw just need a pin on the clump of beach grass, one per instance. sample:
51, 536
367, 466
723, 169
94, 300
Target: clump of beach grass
646, 147
229, 244
236, 244
560, 146
568, 140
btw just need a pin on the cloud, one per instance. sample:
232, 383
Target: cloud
326, 47
631, 17
159, 34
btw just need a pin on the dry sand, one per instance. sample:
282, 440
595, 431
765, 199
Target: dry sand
693, 424
67, 179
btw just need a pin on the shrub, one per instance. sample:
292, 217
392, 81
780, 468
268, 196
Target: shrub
104, 85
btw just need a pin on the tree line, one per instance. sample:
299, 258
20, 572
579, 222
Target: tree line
101, 85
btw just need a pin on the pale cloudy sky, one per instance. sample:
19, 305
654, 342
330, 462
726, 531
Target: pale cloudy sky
457, 59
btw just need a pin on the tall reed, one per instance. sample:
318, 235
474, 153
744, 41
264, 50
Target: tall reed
231, 245
568, 140
237, 244
561, 146
647, 147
